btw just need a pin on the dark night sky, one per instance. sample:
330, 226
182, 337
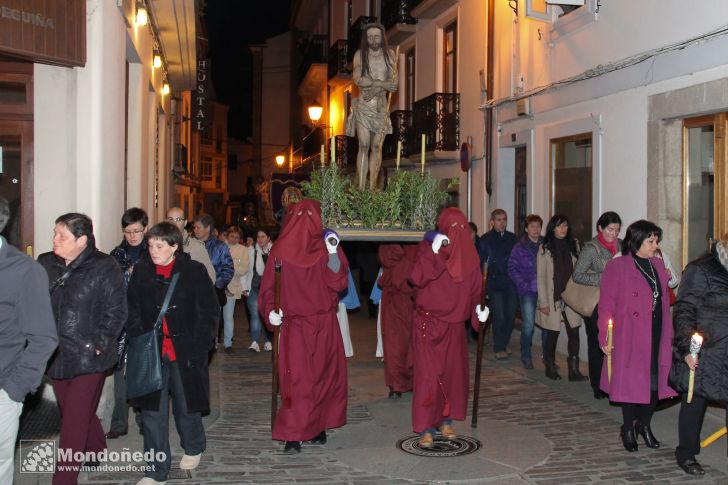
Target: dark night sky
232, 25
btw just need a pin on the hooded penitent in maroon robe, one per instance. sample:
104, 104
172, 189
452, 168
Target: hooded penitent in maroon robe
311, 362
447, 289
397, 305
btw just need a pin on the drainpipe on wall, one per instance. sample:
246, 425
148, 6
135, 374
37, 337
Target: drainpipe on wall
488, 113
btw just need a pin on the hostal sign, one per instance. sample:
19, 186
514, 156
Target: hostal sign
201, 102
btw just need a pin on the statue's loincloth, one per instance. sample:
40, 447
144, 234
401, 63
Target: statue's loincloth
369, 117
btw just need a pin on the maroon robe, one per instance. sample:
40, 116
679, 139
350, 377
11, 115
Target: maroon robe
311, 362
397, 306
441, 374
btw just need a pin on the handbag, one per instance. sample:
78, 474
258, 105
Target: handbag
143, 361
581, 298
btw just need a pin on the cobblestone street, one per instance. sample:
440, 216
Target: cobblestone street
533, 431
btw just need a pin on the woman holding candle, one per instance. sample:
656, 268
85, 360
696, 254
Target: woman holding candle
589, 268
701, 310
634, 296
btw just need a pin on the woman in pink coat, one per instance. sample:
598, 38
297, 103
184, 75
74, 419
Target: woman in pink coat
634, 296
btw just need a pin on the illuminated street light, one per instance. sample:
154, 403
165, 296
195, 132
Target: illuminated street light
142, 16
280, 160
314, 112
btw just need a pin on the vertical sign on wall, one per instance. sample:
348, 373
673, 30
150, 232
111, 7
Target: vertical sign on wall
201, 98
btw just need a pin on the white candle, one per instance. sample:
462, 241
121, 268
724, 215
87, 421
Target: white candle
422, 161
323, 155
399, 151
333, 149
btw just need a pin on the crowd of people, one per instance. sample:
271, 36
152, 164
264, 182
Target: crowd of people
79, 315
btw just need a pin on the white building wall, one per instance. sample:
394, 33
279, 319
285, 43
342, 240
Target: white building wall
79, 130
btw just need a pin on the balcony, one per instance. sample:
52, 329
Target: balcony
312, 71
401, 131
428, 9
339, 70
438, 117
398, 22
356, 30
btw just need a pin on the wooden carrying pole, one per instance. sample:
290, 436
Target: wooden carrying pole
274, 380
479, 355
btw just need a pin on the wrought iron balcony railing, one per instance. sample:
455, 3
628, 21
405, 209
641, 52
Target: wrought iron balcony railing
316, 51
401, 131
438, 117
338, 59
355, 32
346, 150
397, 12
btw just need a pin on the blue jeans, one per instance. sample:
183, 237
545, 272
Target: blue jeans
256, 325
503, 304
528, 314
227, 316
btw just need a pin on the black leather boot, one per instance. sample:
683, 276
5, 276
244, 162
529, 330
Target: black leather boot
647, 435
549, 355
629, 440
574, 374
319, 439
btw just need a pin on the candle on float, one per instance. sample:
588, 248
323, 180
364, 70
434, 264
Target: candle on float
333, 149
610, 328
696, 341
422, 154
323, 155
399, 152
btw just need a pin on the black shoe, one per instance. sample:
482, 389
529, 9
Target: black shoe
229, 350
112, 435
551, 372
141, 430
599, 394
691, 467
91, 465
394, 394
574, 374
527, 364
292, 447
628, 439
647, 435
320, 438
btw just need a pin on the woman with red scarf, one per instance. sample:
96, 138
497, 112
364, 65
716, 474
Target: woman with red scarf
588, 270
311, 363
447, 281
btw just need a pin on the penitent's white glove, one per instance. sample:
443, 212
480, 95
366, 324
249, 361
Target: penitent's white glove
275, 318
439, 241
482, 313
332, 241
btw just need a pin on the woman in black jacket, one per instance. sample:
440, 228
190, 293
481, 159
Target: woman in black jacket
89, 304
702, 306
188, 329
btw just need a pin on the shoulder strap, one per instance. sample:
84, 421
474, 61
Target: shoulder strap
62, 279
167, 298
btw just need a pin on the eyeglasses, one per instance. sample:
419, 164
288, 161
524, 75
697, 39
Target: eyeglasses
175, 219
135, 232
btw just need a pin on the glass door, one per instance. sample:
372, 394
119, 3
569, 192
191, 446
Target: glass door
15, 185
571, 183
704, 171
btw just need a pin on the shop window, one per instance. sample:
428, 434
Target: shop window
571, 182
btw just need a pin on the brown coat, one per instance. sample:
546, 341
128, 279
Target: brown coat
545, 281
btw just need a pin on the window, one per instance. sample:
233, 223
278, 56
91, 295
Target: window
409, 79
206, 168
449, 64
571, 182
205, 137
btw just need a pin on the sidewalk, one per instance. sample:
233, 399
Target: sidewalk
533, 430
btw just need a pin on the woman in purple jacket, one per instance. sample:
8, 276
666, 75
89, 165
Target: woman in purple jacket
522, 271
634, 297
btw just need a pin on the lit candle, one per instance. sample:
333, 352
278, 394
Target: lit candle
610, 328
695, 343
323, 155
333, 149
422, 159
399, 151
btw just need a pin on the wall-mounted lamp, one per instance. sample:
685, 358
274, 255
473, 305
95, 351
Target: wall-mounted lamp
142, 16
314, 112
280, 160
165, 89
157, 61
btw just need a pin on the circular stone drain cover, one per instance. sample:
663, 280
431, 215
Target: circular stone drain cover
462, 445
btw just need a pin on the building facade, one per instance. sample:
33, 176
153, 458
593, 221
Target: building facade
86, 119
